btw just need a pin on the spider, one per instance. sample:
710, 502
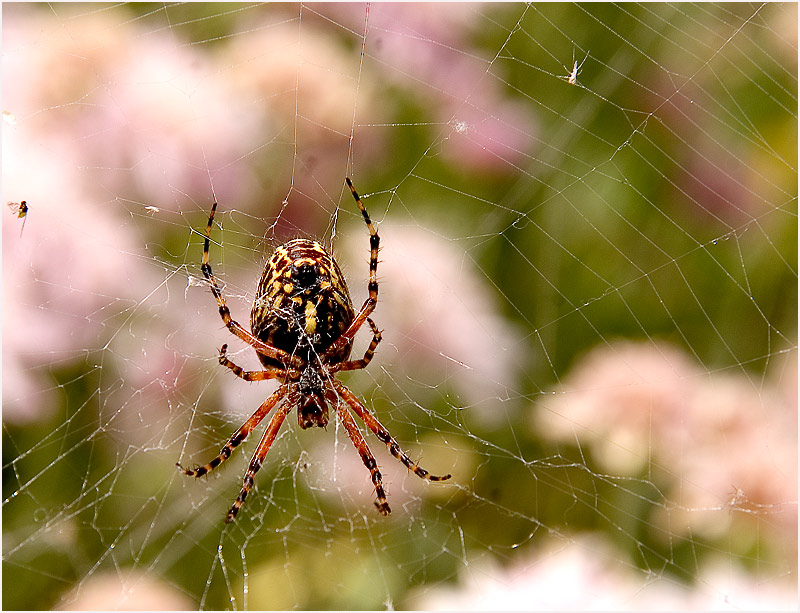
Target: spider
303, 325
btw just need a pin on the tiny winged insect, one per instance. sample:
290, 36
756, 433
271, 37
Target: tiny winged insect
572, 77
303, 325
20, 209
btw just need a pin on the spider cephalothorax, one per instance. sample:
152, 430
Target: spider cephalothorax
312, 410
303, 325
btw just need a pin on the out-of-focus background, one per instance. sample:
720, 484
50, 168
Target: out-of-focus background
588, 291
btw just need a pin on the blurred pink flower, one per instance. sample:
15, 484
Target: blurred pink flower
588, 574
111, 120
64, 279
418, 49
720, 438
623, 398
306, 108
132, 592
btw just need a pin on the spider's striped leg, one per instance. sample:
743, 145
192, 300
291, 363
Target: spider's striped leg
238, 436
224, 312
383, 434
250, 375
261, 452
372, 286
363, 449
362, 363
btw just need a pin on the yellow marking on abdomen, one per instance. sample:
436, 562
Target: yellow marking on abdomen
311, 317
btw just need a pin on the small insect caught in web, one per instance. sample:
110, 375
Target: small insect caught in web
572, 77
738, 500
20, 209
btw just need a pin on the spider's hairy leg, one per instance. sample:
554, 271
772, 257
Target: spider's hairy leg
250, 375
383, 434
374, 244
224, 312
363, 450
260, 453
362, 363
238, 436
372, 286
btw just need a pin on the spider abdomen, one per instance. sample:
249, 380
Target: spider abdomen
302, 303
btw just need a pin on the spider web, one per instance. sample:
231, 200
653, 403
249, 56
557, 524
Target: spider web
588, 292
